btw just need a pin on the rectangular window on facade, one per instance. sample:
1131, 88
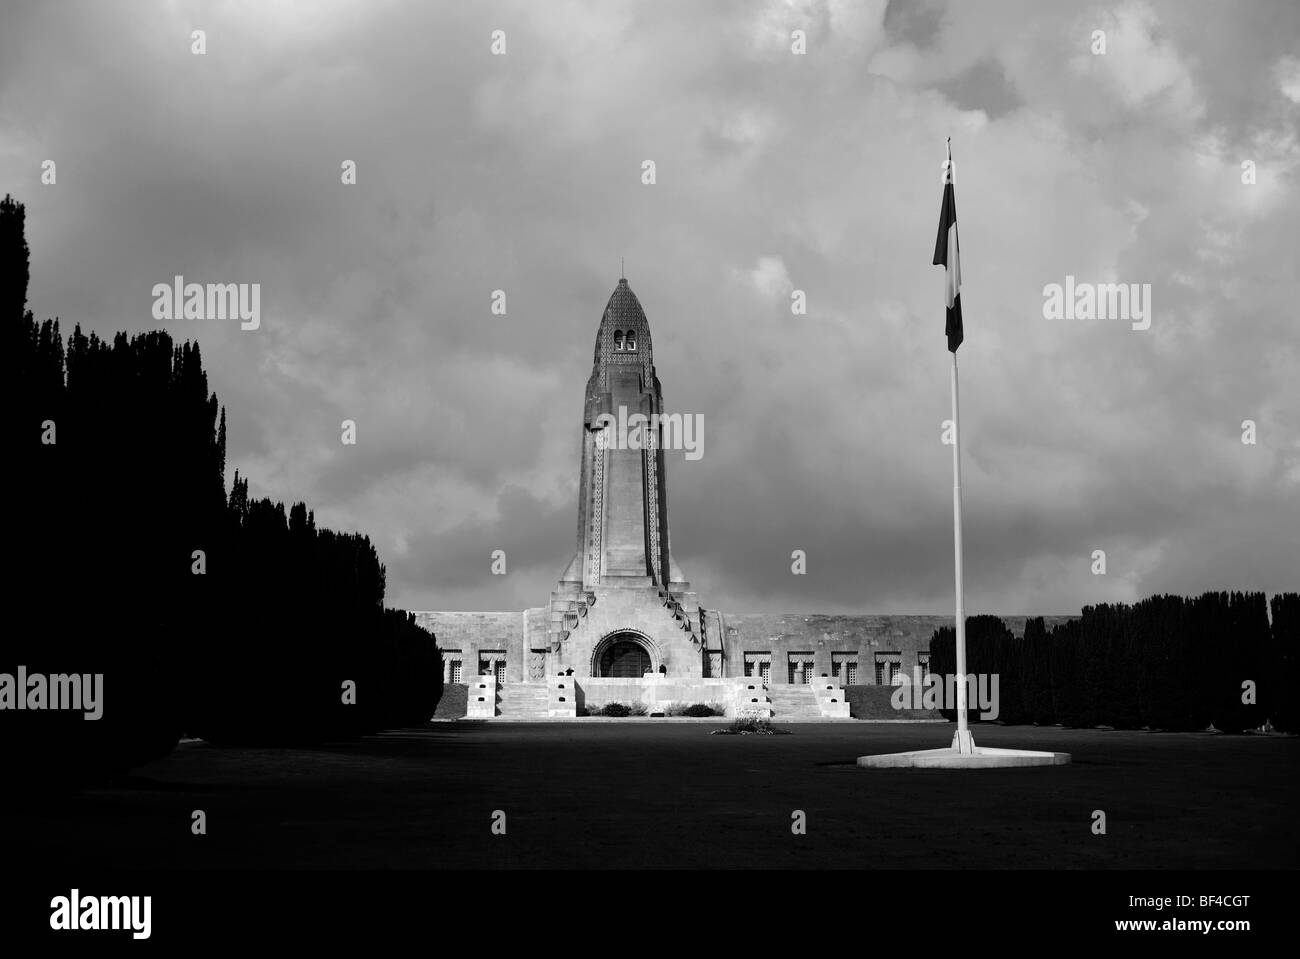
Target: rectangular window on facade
840, 666
749, 666
800, 667
455, 671
889, 667
492, 662
765, 670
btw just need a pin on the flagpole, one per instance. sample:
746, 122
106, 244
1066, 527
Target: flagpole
963, 753
962, 741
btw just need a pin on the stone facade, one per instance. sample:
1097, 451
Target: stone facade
856, 650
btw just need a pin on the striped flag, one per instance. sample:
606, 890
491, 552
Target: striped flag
945, 255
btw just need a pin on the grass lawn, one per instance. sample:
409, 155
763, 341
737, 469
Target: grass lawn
658, 795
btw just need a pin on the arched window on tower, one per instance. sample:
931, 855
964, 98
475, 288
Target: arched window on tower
618, 339
631, 340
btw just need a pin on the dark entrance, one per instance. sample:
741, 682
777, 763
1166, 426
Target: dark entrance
625, 659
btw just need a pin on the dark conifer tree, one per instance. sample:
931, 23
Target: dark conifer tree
1280, 693
202, 610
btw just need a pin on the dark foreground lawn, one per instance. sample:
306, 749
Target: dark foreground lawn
662, 795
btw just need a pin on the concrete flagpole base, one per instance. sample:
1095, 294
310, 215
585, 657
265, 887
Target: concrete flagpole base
963, 754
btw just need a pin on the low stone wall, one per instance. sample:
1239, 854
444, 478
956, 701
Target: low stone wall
659, 692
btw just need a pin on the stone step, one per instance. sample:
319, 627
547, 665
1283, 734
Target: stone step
522, 700
793, 701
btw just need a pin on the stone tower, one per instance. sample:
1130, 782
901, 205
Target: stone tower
623, 604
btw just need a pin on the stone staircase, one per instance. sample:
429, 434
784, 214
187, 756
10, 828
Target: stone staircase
522, 701
830, 698
793, 701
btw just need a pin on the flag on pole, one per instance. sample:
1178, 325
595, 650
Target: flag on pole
945, 255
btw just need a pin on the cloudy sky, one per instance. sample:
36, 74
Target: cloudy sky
775, 172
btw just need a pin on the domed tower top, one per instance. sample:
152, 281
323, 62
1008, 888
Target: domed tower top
624, 335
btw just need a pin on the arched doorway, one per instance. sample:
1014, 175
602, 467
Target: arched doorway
624, 656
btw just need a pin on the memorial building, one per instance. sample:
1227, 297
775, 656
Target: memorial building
624, 623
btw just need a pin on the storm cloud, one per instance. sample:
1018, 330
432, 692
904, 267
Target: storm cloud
775, 172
